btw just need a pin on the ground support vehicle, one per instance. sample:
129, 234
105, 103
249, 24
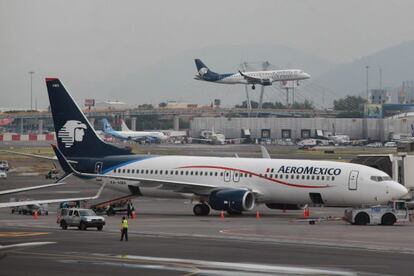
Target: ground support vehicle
81, 218
395, 212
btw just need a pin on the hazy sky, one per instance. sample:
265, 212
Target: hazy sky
87, 41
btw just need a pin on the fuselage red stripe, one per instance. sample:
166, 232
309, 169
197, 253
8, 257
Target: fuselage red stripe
257, 175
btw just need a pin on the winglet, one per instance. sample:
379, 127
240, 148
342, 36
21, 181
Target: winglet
265, 153
67, 168
243, 75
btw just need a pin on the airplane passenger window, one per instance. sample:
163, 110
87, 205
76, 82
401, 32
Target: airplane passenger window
317, 177
297, 176
333, 178
166, 172
307, 177
128, 171
156, 172
270, 175
221, 174
160, 171
322, 177
186, 173
146, 171
216, 173
250, 175
123, 170
303, 177
196, 173
152, 171
176, 172
182, 173
133, 171
265, 175
211, 173
142, 171
313, 177
292, 176
172, 172
272, 170
115, 171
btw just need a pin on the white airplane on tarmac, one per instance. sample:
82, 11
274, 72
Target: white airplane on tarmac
138, 136
230, 184
264, 78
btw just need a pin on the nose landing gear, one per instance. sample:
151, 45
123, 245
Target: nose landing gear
253, 87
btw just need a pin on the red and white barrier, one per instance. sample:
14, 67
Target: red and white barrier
13, 137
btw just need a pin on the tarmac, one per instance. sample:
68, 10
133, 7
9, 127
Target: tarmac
167, 239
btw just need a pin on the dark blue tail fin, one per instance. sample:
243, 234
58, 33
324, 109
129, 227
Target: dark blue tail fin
200, 64
74, 134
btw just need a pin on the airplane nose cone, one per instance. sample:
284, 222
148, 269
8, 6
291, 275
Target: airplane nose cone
397, 190
308, 76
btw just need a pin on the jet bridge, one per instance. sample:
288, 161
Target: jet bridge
399, 166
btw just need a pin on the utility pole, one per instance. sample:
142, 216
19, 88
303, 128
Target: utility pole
380, 78
367, 69
31, 89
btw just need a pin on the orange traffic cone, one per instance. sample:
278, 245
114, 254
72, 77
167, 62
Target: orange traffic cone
222, 215
306, 212
257, 215
35, 215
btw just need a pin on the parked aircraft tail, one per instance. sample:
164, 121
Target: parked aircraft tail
74, 134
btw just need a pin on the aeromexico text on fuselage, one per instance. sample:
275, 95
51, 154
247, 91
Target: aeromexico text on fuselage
309, 170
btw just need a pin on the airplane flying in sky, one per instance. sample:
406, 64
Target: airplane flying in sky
264, 78
230, 184
137, 136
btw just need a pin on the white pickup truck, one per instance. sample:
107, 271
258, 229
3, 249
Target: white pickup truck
395, 212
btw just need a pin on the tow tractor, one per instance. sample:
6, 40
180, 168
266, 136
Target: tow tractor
111, 207
394, 212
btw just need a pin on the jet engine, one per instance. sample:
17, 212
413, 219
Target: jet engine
236, 200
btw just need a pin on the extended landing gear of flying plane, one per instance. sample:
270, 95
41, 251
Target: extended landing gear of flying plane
201, 209
253, 87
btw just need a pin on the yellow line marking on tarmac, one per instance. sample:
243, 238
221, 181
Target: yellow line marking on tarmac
22, 234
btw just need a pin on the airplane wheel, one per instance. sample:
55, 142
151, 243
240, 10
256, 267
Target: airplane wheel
362, 219
388, 219
201, 210
253, 87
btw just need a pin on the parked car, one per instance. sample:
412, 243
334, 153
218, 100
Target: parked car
42, 209
81, 218
4, 165
3, 174
374, 145
390, 145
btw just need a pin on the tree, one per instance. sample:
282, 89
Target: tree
162, 105
350, 107
350, 103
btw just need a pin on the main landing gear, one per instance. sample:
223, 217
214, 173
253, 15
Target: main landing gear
201, 209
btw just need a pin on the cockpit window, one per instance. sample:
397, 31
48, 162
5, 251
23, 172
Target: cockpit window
380, 178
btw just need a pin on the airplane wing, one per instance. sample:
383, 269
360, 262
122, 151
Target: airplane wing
251, 79
202, 139
265, 153
31, 188
51, 158
43, 201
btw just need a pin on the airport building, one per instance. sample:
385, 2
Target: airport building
302, 128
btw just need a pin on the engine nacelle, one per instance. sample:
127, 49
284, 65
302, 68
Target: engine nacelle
266, 82
283, 206
232, 200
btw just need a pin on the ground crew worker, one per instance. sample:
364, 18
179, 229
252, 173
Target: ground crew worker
124, 229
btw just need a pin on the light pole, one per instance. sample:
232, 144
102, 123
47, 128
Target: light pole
31, 89
367, 69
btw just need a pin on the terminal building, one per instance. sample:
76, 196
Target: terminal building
380, 129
